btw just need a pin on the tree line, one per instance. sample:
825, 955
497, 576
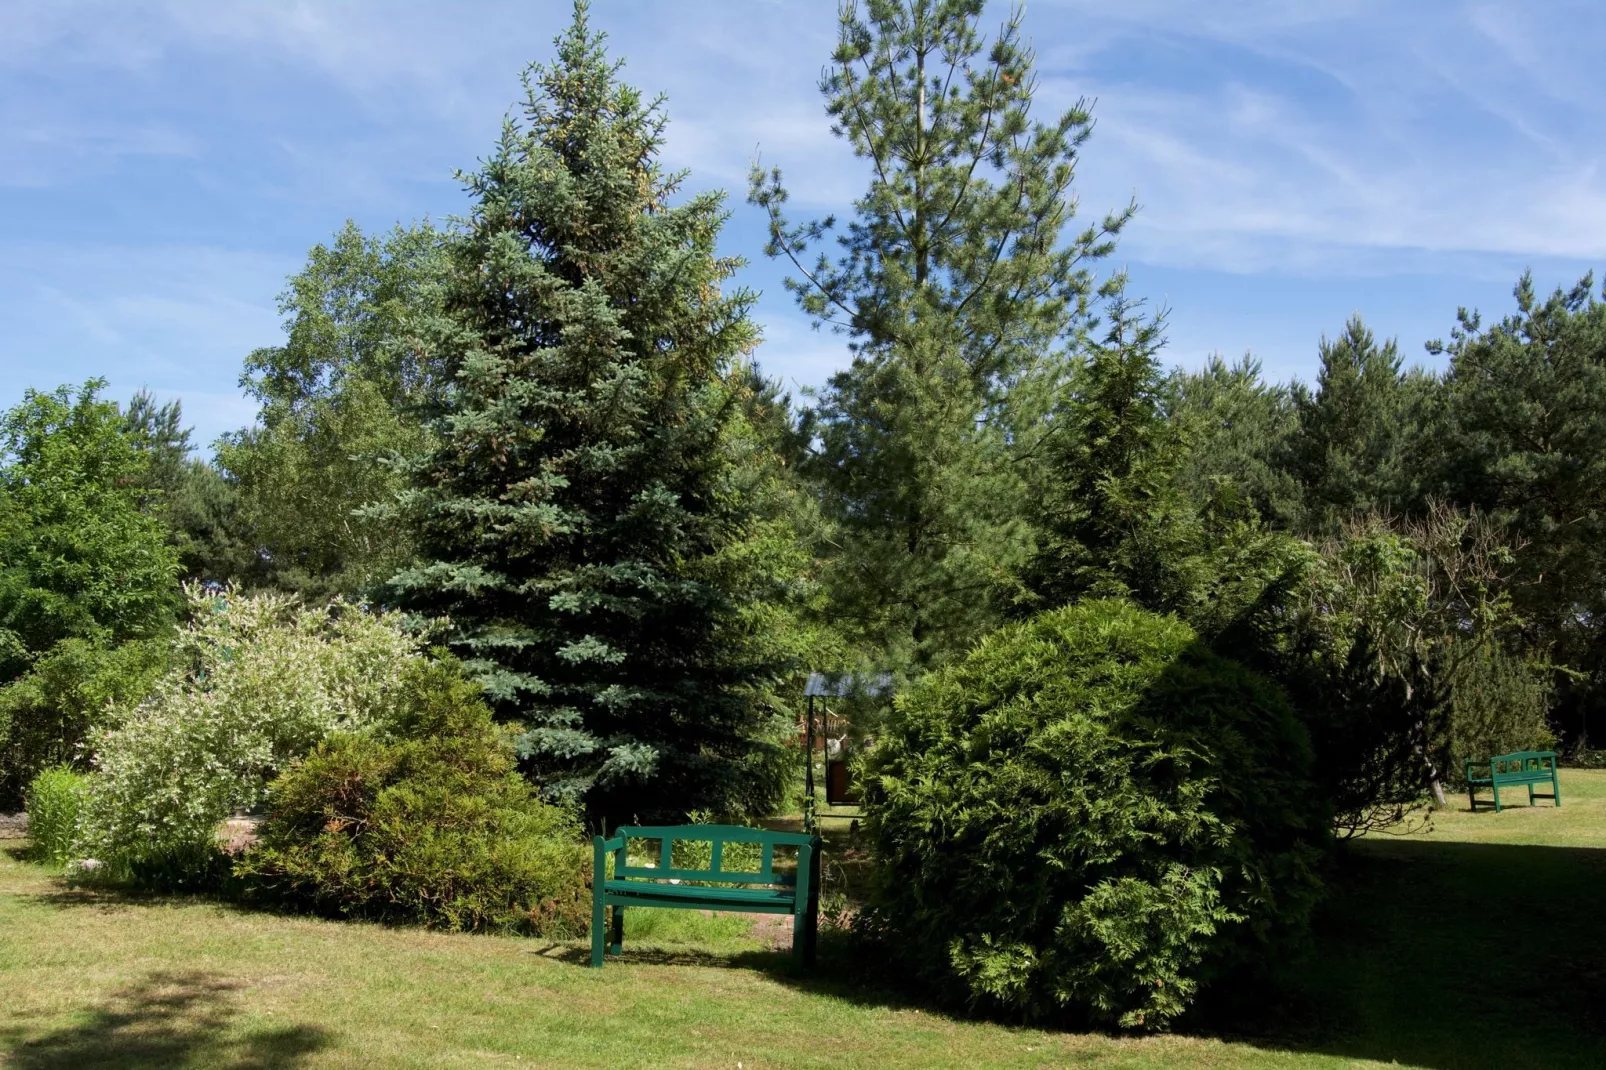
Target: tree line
547, 428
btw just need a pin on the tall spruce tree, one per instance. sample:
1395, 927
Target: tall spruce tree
959, 294
582, 517
1113, 520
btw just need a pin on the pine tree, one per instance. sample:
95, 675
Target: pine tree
959, 294
583, 518
1350, 452
1238, 428
1526, 401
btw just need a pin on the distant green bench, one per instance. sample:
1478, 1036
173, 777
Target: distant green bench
1519, 769
765, 890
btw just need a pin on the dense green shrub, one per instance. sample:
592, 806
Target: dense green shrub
1498, 703
257, 682
55, 799
48, 715
1089, 816
423, 819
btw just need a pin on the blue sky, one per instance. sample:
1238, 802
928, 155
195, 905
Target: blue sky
164, 164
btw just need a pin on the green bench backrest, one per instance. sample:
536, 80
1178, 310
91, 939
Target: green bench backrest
715, 835
1523, 761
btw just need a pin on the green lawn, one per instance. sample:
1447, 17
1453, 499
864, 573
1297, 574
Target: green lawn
1480, 944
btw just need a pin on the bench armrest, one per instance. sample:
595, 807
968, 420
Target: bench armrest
601, 849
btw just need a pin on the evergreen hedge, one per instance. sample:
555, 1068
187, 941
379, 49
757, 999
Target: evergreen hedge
1089, 817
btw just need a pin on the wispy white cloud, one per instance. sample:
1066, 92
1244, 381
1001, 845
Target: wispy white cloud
1356, 138
175, 319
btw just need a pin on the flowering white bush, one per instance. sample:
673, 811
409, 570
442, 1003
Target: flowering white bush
261, 680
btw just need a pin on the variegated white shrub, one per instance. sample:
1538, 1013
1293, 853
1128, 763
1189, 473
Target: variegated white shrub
261, 679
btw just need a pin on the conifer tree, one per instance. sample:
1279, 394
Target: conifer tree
582, 519
199, 507
1112, 519
1526, 401
1238, 428
1350, 452
959, 294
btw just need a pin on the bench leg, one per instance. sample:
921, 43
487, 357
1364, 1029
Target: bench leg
1530, 794
800, 932
1472, 798
599, 918
618, 929
1496, 798
1555, 785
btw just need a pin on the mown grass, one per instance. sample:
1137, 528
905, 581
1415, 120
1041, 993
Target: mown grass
1480, 944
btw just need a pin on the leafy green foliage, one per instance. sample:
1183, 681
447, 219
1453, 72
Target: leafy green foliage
1090, 815
423, 819
341, 398
48, 715
257, 682
79, 556
1498, 703
958, 290
584, 519
1387, 638
55, 801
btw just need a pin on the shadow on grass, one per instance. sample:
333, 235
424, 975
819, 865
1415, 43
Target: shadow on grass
108, 898
646, 954
1445, 955
166, 1020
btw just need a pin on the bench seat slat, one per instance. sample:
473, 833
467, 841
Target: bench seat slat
651, 889
738, 877
647, 902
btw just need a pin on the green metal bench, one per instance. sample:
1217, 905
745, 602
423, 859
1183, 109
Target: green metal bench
766, 890
1518, 769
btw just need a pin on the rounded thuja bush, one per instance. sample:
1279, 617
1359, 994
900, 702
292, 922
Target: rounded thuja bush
1088, 817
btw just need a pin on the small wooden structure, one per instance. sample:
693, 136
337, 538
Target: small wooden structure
822, 728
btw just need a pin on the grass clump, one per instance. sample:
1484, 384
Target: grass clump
55, 801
